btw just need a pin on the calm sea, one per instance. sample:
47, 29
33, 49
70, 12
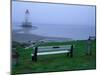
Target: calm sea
77, 32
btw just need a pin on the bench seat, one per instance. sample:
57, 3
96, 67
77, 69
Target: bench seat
53, 52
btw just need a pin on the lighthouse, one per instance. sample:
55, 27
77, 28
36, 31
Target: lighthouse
26, 22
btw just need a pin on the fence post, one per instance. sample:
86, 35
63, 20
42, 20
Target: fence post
71, 51
89, 52
15, 56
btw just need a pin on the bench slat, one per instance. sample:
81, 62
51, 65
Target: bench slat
63, 46
48, 50
56, 52
51, 50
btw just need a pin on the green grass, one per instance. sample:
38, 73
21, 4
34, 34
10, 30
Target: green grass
57, 62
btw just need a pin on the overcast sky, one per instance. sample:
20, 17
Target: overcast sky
54, 13
57, 20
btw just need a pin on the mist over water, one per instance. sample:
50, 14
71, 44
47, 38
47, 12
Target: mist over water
77, 33
55, 20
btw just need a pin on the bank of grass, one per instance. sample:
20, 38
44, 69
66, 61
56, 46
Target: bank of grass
57, 62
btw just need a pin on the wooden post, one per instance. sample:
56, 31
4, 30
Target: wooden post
71, 51
89, 52
15, 57
35, 54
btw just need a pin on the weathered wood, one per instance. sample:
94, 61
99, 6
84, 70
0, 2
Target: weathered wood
34, 56
15, 56
48, 50
71, 51
54, 52
89, 52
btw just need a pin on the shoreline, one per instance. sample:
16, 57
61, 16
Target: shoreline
26, 37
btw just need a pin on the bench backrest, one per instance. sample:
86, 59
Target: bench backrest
53, 48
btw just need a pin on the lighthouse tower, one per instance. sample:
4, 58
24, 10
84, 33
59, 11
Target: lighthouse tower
26, 22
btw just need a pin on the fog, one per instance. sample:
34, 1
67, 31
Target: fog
73, 19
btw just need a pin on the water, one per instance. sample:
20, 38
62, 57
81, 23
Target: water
77, 32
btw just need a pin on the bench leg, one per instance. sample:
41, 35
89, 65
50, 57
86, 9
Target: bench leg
68, 54
34, 58
71, 52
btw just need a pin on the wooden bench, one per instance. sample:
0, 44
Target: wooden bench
48, 50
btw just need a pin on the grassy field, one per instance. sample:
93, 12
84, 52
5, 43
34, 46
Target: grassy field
58, 62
